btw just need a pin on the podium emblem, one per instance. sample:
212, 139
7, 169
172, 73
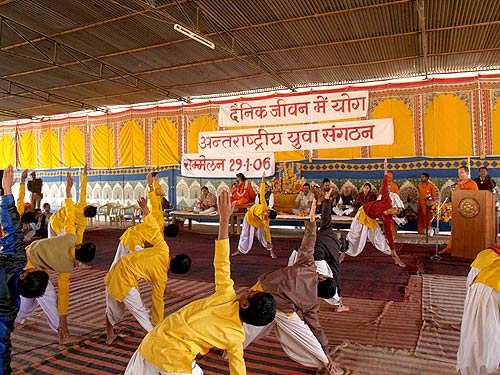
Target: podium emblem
468, 207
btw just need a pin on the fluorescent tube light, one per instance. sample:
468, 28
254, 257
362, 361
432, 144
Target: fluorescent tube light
194, 36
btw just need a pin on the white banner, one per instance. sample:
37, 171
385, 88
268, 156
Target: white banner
251, 165
293, 109
303, 137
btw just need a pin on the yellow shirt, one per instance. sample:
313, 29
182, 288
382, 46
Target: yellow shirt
154, 204
255, 214
57, 219
57, 254
485, 258
20, 199
490, 276
364, 219
151, 265
140, 233
209, 322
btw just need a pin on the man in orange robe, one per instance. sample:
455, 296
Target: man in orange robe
464, 183
426, 193
242, 191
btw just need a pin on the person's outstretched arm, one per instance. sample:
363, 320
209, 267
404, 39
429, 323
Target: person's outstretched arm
222, 265
306, 249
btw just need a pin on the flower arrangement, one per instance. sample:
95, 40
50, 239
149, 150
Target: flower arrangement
444, 212
287, 181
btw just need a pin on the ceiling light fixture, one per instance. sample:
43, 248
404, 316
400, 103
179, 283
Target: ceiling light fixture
194, 36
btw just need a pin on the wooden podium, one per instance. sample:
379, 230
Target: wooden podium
474, 222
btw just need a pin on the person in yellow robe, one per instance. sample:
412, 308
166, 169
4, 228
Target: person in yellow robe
216, 321
57, 254
479, 350
256, 223
82, 212
155, 195
122, 280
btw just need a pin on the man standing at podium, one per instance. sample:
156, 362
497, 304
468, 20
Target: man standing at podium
464, 183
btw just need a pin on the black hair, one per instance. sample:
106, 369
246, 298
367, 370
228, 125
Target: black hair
33, 285
464, 167
327, 288
180, 263
28, 217
154, 174
171, 230
261, 309
307, 184
85, 253
426, 175
368, 184
272, 214
241, 176
46, 204
483, 167
325, 180
90, 211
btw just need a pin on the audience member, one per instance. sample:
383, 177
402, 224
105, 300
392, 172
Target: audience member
304, 199
206, 202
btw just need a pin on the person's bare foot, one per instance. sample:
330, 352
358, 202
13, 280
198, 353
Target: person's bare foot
397, 260
272, 254
27, 323
235, 253
341, 308
69, 339
82, 266
446, 250
341, 257
111, 336
333, 371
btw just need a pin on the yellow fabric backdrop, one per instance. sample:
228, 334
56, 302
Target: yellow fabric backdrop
404, 135
447, 127
27, 151
495, 127
199, 124
49, 150
164, 143
132, 147
103, 148
74, 146
6, 151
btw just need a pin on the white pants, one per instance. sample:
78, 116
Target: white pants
115, 310
204, 212
121, 251
471, 276
359, 233
246, 238
48, 303
295, 336
322, 268
139, 366
479, 350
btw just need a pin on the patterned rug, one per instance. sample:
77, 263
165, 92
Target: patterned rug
442, 308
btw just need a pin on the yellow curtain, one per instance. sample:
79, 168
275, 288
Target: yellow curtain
164, 143
49, 150
495, 127
6, 151
339, 153
74, 146
447, 127
131, 145
103, 148
200, 124
404, 135
27, 151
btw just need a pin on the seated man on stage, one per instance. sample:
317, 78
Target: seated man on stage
122, 280
345, 202
206, 202
57, 254
479, 350
213, 322
303, 200
365, 226
13, 280
256, 223
242, 191
296, 288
